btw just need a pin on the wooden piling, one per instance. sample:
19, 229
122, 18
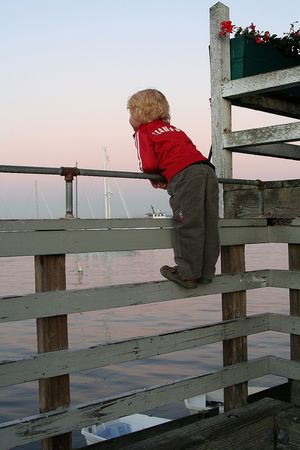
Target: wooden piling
233, 307
294, 264
52, 334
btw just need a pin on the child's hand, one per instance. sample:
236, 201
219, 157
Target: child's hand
159, 184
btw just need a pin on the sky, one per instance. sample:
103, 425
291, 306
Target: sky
67, 70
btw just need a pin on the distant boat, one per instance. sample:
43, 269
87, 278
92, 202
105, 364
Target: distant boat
155, 214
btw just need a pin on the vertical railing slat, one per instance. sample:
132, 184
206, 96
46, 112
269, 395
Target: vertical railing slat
52, 334
233, 307
294, 264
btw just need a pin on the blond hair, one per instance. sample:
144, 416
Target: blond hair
149, 105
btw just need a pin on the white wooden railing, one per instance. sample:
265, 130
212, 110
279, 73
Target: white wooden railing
52, 237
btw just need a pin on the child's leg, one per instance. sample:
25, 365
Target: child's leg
188, 204
211, 248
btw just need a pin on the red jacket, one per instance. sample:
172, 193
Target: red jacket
163, 148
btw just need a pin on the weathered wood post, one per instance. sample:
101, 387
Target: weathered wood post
52, 334
220, 107
294, 264
234, 307
232, 257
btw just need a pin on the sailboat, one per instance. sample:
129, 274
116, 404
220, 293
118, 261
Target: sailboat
108, 192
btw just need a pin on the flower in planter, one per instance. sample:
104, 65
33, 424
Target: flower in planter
288, 44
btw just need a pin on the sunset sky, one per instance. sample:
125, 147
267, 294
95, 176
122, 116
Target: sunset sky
67, 69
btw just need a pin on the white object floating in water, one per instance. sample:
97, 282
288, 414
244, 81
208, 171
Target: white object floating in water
119, 427
197, 403
215, 398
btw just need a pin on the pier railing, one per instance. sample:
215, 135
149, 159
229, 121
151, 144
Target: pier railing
49, 240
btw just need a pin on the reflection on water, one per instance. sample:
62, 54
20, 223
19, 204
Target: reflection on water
89, 270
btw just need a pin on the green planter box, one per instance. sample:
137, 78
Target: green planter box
248, 58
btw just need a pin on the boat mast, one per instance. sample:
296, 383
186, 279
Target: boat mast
107, 191
76, 194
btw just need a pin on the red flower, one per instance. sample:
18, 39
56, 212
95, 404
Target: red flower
289, 44
226, 27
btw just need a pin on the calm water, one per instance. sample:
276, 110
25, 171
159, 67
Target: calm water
88, 270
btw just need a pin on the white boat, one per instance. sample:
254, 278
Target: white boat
155, 214
119, 427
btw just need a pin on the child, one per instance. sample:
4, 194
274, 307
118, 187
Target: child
191, 182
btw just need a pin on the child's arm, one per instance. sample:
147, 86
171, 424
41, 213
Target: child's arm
147, 160
146, 156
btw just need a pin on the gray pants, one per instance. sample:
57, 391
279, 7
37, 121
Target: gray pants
194, 202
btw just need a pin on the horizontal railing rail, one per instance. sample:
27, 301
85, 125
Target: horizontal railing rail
67, 361
47, 304
63, 420
49, 424
50, 237
60, 362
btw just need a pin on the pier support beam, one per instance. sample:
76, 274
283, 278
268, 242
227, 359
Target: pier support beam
234, 307
52, 334
294, 264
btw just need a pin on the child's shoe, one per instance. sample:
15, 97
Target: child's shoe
171, 273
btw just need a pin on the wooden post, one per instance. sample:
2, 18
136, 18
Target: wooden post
233, 307
294, 264
52, 334
220, 107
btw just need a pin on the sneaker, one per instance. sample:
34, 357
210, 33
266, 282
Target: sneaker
171, 273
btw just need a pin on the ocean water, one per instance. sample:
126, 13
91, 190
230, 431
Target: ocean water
18, 339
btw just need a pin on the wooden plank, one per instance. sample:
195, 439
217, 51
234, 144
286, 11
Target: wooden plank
270, 200
233, 307
248, 428
262, 83
80, 224
284, 279
288, 234
52, 334
287, 424
269, 103
282, 150
284, 323
45, 425
243, 235
264, 135
83, 241
277, 199
66, 361
248, 222
76, 301
294, 265
220, 107
284, 368
104, 240
108, 224
282, 203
